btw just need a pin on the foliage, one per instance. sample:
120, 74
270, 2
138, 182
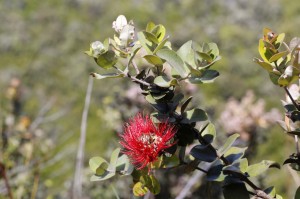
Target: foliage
159, 83
42, 44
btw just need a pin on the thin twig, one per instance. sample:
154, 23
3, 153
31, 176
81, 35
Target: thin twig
135, 67
192, 181
4, 176
131, 77
77, 184
35, 183
292, 99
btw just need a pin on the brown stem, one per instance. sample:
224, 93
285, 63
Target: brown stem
35, 184
133, 78
292, 99
4, 176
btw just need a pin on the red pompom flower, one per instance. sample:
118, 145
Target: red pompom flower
143, 141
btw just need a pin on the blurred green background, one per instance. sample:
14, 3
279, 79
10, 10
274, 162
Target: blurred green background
42, 45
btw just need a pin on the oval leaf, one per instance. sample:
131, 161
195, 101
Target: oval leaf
153, 59
259, 168
95, 162
229, 142
204, 153
174, 60
194, 115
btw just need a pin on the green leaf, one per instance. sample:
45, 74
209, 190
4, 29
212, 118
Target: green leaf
165, 82
151, 183
259, 168
205, 56
134, 50
185, 104
109, 75
102, 169
146, 44
150, 26
194, 115
174, 60
159, 31
103, 177
208, 76
277, 56
242, 164
229, 142
209, 133
274, 77
262, 50
234, 153
214, 50
297, 195
286, 78
187, 54
95, 162
124, 166
139, 189
204, 153
265, 65
153, 59
235, 191
279, 40
113, 160
150, 37
215, 172
162, 44
106, 60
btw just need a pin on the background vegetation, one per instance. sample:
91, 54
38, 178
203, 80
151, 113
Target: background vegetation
42, 44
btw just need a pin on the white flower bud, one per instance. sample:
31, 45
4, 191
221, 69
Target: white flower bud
119, 24
97, 48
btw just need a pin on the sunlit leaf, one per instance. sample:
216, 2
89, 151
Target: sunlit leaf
207, 76
139, 189
267, 66
106, 60
109, 75
209, 133
174, 60
185, 104
113, 160
205, 56
229, 142
150, 26
159, 31
153, 59
161, 45
150, 37
103, 177
262, 50
277, 56
165, 82
234, 153
187, 54
194, 115
95, 162
259, 168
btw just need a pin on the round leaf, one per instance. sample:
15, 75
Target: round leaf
204, 153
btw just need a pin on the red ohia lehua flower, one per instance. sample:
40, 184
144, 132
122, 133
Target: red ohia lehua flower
143, 141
